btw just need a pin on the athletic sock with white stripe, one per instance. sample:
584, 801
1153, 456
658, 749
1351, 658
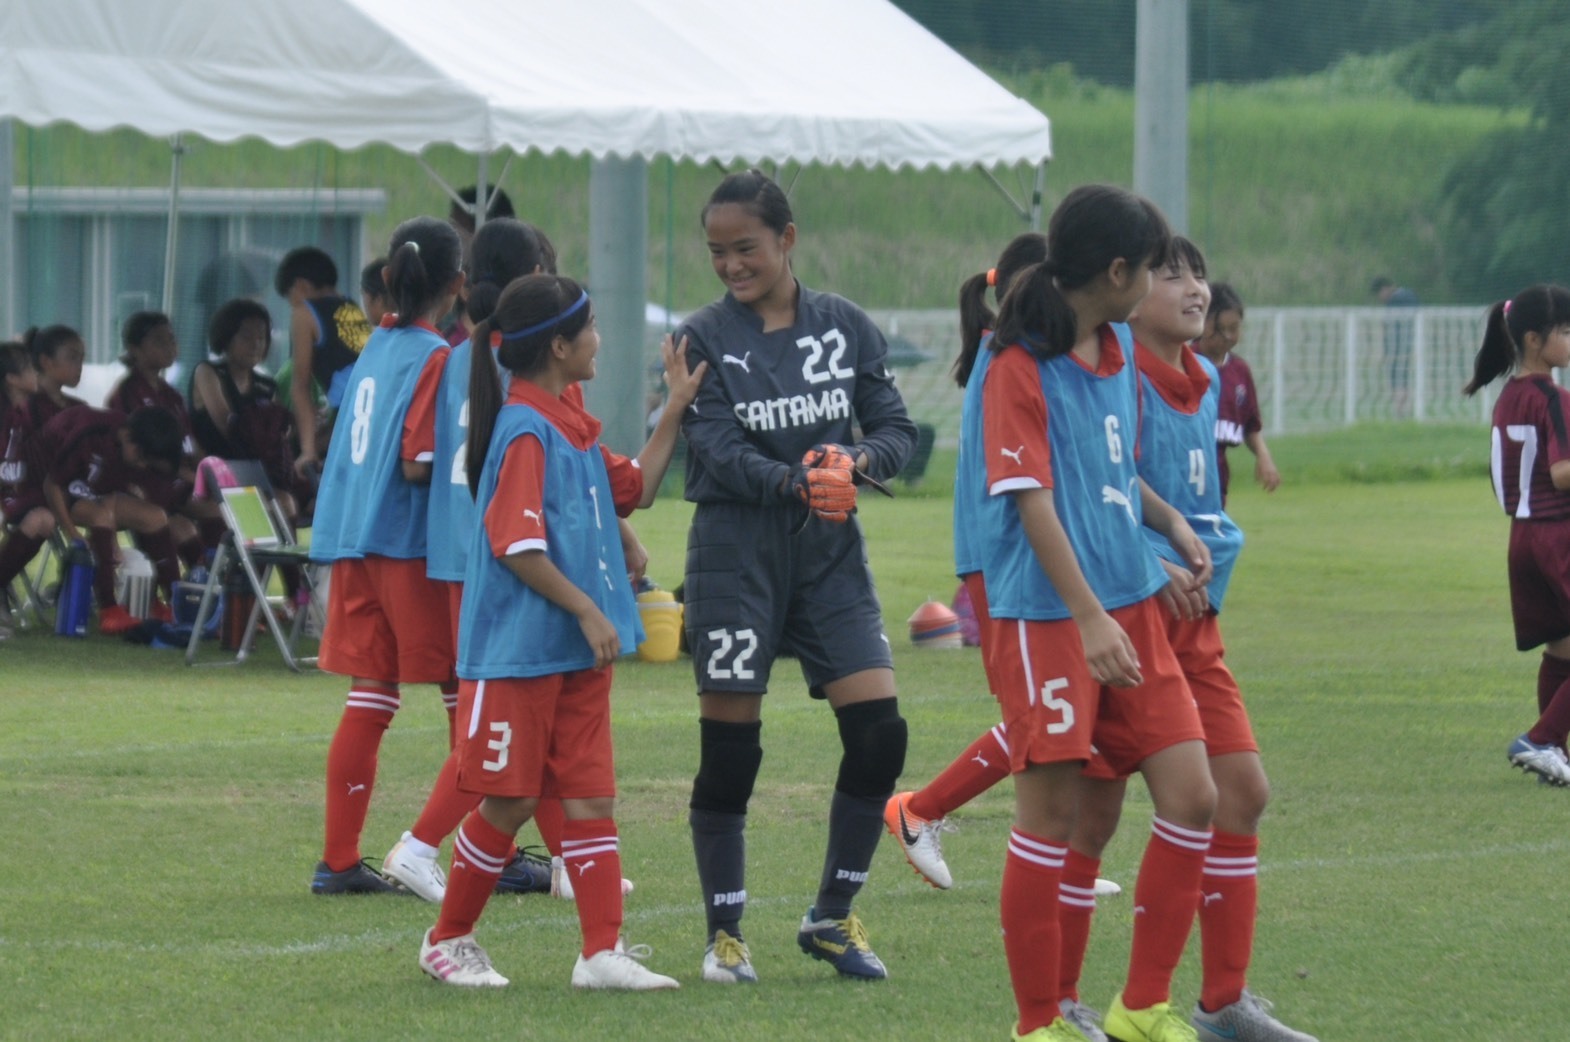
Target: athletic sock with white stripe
351, 769
1076, 905
973, 772
1229, 900
591, 854
1032, 872
479, 853
449, 692
1166, 897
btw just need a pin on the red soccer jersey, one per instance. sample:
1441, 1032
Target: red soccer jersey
1529, 437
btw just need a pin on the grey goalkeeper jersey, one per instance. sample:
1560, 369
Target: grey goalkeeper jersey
769, 397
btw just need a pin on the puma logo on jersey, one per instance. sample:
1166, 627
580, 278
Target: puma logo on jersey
981, 760
1120, 498
742, 361
730, 897
1139, 909
584, 866
1229, 432
849, 876
1211, 897
1215, 522
1014, 454
537, 519
354, 788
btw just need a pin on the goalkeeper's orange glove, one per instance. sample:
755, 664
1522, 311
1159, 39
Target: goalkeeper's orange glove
824, 480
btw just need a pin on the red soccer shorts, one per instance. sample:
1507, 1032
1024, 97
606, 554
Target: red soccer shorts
387, 621
537, 736
1054, 710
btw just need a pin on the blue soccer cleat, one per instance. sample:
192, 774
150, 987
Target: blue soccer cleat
361, 879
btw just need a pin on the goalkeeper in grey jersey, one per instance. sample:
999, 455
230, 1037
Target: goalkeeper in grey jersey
776, 561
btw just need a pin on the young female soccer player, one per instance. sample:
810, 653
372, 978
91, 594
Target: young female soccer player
101, 462
545, 561
28, 521
58, 353
387, 620
1073, 584
1178, 402
1527, 338
1239, 422
916, 819
505, 249
150, 347
775, 562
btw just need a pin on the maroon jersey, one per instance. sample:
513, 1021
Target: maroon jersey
1237, 414
18, 455
86, 461
136, 391
43, 408
1530, 437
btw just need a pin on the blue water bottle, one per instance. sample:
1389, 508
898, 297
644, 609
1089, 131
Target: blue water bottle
76, 592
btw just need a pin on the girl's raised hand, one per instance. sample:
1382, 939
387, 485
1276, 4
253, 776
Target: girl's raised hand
1109, 652
682, 383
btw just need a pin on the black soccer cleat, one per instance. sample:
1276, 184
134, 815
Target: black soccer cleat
361, 879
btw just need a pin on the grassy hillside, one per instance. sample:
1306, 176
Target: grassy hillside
1299, 193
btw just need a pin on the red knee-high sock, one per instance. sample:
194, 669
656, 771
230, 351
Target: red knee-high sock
548, 818
18, 550
479, 852
445, 807
973, 772
592, 854
449, 692
1553, 701
1166, 896
351, 769
1031, 938
1229, 901
104, 546
1076, 904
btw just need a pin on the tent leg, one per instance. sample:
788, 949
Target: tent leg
172, 237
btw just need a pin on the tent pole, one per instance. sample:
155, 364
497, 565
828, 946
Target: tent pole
172, 238
7, 228
482, 200
618, 273
1036, 197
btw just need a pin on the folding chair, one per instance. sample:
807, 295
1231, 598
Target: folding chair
36, 595
257, 541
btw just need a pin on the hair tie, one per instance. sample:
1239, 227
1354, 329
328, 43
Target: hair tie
496, 339
1507, 307
540, 327
992, 276
413, 245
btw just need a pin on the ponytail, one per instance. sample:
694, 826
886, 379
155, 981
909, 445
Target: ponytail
485, 400
422, 261
502, 250
1035, 313
1538, 309
975, 317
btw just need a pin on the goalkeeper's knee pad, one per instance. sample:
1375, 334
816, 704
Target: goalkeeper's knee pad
727, 766
874, 736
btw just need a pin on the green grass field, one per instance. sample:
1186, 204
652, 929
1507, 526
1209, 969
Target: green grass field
161, 822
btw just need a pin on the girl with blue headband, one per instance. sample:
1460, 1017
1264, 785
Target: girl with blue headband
547, 607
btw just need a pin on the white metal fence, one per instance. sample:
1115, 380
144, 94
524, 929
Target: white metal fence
1315, 368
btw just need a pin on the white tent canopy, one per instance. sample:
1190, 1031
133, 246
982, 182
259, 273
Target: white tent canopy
621, 81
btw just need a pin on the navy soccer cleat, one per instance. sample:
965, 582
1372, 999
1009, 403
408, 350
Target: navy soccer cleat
842, 942
526, 873
361, 879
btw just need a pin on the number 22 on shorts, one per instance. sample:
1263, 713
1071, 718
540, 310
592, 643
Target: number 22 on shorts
722, 665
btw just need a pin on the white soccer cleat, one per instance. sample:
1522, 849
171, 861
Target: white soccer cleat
919, 839
728, 961
1106, 888
1546, 761
459, 961
418, 873
561, 882
619, 969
